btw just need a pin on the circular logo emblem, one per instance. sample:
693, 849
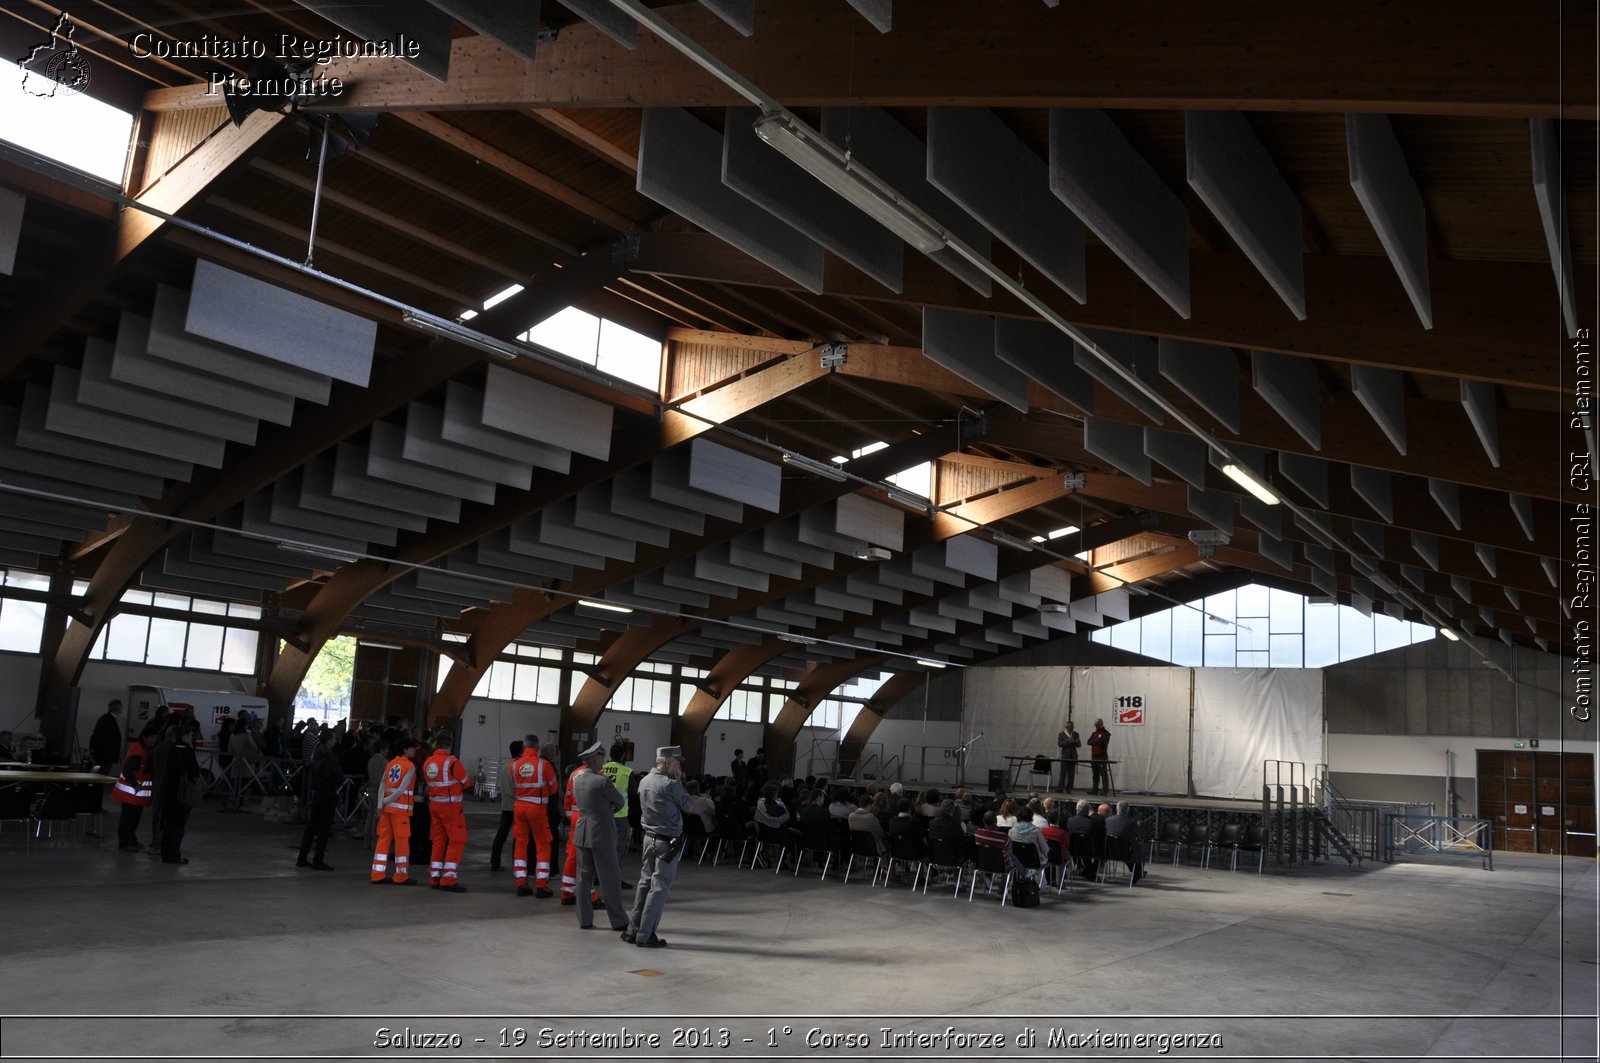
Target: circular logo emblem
433, 770
525, 770
394, 774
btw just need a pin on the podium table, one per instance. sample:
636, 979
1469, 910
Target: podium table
1015, 765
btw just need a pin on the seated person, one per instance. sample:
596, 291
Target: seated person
840, 806
814, 813
991, 835
702, 805
1025, 833
1095, 828
1055, 832
944, 826
1122, 825
1040, 811
1006, 818
862, 819
928, 804
880, 808
907, 824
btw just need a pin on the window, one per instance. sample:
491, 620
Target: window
523, 672
199, 643
643, 691
74, 129
22, 622
918, 479
611, 348
1259, 627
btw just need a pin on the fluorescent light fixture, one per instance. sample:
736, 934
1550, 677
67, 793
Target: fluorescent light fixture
608, 606
1451, 635
814, 467
874, 553
1006, 539
501, 296
907, 499
1249, 481
380, 645
467, 315
930, 664
860, 187
326, 553
450, 330
799, 640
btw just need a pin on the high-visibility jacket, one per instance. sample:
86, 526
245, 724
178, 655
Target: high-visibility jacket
399, 780
619, 774
135, 789
535, 780
446, 778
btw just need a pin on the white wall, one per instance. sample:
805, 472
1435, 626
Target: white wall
488, 728
1424, 754
647, 731
724, 736
901, 738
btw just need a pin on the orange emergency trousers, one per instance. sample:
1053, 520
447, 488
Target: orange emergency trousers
569, 869
447, 821
394, 821
535, 782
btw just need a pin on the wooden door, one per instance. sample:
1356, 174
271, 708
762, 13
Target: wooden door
1537, 801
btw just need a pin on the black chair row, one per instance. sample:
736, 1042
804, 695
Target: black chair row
1229, 838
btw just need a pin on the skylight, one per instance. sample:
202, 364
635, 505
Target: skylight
69, 127
606, 345
918, 479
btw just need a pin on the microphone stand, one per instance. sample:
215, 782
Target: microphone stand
961, 764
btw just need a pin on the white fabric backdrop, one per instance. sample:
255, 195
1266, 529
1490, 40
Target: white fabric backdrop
1243, 716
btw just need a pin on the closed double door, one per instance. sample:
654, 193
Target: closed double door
1538, 802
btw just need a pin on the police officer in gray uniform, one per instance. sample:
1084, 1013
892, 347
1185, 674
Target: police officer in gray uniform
597, 800
662, 803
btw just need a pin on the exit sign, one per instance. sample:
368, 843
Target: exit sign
1533, 743
1516, 745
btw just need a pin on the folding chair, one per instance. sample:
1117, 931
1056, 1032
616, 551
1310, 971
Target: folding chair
864, 845
1028, 857
1062, 865
1227, 839
1171, 836
1199, 837
730, 831
815, 839
782, 837
694, 828
56, 806
991, 862
1041, 766
1082, 850
1122, 850
1254, 841
903, 849
945, 854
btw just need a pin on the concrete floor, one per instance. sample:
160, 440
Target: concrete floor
1415, 960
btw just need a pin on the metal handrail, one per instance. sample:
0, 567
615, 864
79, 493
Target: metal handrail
888, 766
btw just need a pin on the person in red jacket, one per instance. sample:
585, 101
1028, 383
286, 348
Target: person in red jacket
133, 789
446, 780
394, 799
535, 781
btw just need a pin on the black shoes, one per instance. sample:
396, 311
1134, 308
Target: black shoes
454, 888
542, 892
380, 882
134, 848
523, 891
652, 942
321, 866
569, 900
628, 938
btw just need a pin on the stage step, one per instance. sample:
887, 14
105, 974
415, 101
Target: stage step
1335, 835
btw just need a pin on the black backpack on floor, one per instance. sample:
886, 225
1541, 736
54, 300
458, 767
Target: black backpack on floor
1025, 892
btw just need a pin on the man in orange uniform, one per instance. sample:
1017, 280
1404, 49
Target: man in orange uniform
134, 789
394, 814
536, 783
447, 780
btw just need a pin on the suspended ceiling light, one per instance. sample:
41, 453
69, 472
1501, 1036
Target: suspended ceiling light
799, 640
861, 188
449, 330
1451, 635
905, 498
1248, 480
814, 467
608, 606
326, 553
929, 664
1006, 539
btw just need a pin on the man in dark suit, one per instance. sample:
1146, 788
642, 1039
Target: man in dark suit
1093, 828
1122, 825
1068, 742
595, 837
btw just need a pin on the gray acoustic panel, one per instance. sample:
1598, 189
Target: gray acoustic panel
1486, 558
740, 14
973, 556
1231, 172
1427, 548
879, 636
931, 563
1113, 604
719, 470
1448, 496
70, 470
496, 552
631, 500
1308, 474
514, 27
179, 574
414, 20
861, 518
669, 485
897, 573
66, 415
1393, 203
1370, 534
169, 342
956, 608
1138, 355
878, 12
1551, 570
350, 480
680, 574
134, 366
932, 620
256, 518
1268, 518
252, 315
783, 539
386, 461
317, 493
284, 509
1382, 393
680, 167
746, 551
522, 406
1513, 596
463, 587
1376, 488
715, 563
227, 548
1277, 551
33, 435
1522, 507
608, 19
1050, 583
12, 205
594, 511
1098, 173
819, 527
23, 559
425, 444
464, 424
1002, 636
1207, 374
976, 160
1119, 445
965, 344
97, 388
1478, 399
1326, 582
1289, 385
989, 599
558, 526
772, 614
834, 596
1414, 576
1179, 452
862, 584
1044, 353
770, 180
893, 153
1084, 612
805, 602
1550, 197
651, 593
1213, 507
1462, 589
1031, 627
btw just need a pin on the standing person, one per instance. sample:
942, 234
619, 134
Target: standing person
1068, 742
662, 803
133, 790
617, 770
598, 799
535, 784
392, 799
377, 767
446, 780
738, 768
569, 868
167, 731
326, 777
508, 803
241, 769
1099, 744
106, 740
310, 743
182, 772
